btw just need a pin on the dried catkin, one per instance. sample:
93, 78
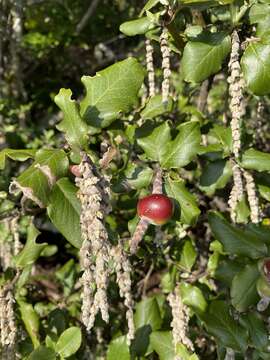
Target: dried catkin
150, 67
95, 251
252, 197
237, 190
236, 93
157, 182
123, 278
5, 245
180, 319
14, 228
8, 327
166, 67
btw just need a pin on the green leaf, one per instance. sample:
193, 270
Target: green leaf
147, 313
255, 64
221, 325
14, 154
188, 255
193, 297
37, 180
30, 320
258, 13
180, 151
187, 201
149, 5
118, 349
235, 240
31, 250
64, 211
162, 343
243, 289
256, 160
154, 107
154, 144
203, 56
215, 176
254, 321
69, 342
136, 27
110, 92
42, 353
74, 128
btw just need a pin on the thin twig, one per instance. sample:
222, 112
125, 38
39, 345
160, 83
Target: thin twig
89, 12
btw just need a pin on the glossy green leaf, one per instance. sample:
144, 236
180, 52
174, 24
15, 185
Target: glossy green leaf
188, 255
221, 325
234, 240
64, 211
69, 342
136, 27
256, 67
42, 353
257, 329
118, 349
258, 13
112, 91
154, 144
256, 160
180, 151
149, 5
215, 175
15, 154
30, 320
162, 343
31, 250
204, 56
147, 313
154, 107
74, 128
243, 289
187, 201
37, 180
193, 297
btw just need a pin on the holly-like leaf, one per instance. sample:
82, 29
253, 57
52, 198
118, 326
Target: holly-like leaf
69, 342
147, 313
203, 56
37, 180
256, 67
180, 151
155, 107
193, 297
243, 289
256, 160
64, 211
15, 154
235, 240
74, 128
162, 343
31, 251
187, 201
111, 92
118, 349
154, 144
136, 27
188, 255
221, 325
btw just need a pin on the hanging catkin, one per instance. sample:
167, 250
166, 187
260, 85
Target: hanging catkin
165, 51
95, 251
8, 328
123, 277
150, 67
252, 197
180, 319
236, 93
237, 190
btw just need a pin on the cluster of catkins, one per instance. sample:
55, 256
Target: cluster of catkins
96, 252
235, 81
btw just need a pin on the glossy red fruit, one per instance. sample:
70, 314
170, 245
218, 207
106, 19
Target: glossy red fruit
157, 208
75, 170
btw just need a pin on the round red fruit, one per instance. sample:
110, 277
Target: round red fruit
75, 170
157, 208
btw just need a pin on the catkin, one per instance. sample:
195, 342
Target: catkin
252, 197
237, 190
123, 277
95, 251
236, 93
150, 67
180, 319
166, 67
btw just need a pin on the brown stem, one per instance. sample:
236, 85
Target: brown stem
157, 183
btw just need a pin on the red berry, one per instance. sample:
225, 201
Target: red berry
156, 208
75, 170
